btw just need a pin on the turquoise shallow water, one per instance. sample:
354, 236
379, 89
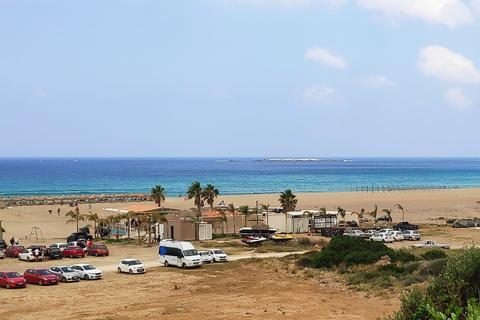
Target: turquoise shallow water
59, 176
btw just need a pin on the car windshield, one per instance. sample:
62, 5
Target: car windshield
88, 267
43, 272
191, 252
13, 275
67, 269
102, 246
133, 262
218, 251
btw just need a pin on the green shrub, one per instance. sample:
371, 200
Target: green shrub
404, 256
434, 254
410, 279
432, 268
412, 266
393, 269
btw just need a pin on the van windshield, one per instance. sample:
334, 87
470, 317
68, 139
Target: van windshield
191, 252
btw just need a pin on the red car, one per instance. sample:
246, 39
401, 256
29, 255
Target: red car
13, 251
73, 251
40, 276
98, 250
12, 279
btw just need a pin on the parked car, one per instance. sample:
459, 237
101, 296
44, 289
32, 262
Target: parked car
60, 245
40, 247
382, 237
79, 235
12, 279
80, 243
2, 253
411, 235
73, 251
384, 218
368, 234
354, 233
29, 255
87, 271
431, 244
404, 225
397, 235
98, 250
41, 276
218, 255
13, 251
206, 257
131, 266
65, 273
54, 253
3, 244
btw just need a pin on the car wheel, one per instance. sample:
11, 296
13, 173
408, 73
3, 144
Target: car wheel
64, 280
7, 285
28, 259
71, 256
119, 270
130, 271
86, 277
40, 282
106, 255
184, 266
411, 239
166, 263
96, 254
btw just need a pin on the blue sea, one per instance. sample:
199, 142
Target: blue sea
63, 176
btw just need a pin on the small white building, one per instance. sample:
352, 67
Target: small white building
290, 222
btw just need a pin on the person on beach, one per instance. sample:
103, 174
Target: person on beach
89, 206
58, 210
12, 241
44, 254
36, 253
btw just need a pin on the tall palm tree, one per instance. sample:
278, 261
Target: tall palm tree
322, 211
389, 213
359, 215
75, 216
196, 220
139, 218
223, 218
245, 210
231, 208
209, 193
287, 200
401, 208
341, 212
93, 217
265, 207
158, 195
374, 213
195, 192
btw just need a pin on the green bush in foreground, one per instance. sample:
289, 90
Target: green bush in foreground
450, 295
434, 254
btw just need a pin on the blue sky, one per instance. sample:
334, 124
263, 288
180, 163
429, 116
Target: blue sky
234, 78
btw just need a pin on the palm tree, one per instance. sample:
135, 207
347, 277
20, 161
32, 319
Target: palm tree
245, 210
75, 216
341, 212
265, 207
195, 192
360, 215
93, 217
389, 213
209, 193
158, 195
138, 217
374, 213
223, 218
287, 200
231, 208
401, 208
322, 211
196, 220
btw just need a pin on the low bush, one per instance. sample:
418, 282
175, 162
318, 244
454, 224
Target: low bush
432, 268
410, 279
412, 266
434, 254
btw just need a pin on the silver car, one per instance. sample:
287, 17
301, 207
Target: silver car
65, 273
411, 235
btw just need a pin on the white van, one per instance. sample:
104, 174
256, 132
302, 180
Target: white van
178, 253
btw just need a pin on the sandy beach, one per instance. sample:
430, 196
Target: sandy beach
222, 291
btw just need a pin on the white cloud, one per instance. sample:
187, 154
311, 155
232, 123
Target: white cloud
41, 93
447, 65
457, 99
475, 4
318, 94
325, 57
451, 13
376, 81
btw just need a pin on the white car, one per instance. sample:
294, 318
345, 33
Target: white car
397, 235
2, 254
28, 255
411, 235
354, 233
218, 255
131, 266
382, 237
59, 245
65, 273
206, 257
87, 271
